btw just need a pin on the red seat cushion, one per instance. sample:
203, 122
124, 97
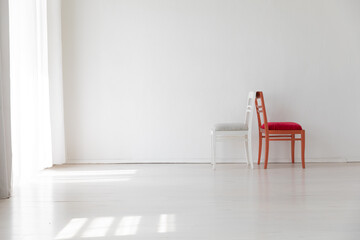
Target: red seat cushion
283, 126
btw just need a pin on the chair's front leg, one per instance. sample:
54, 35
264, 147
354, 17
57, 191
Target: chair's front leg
213, 148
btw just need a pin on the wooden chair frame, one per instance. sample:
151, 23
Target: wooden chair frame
245, 134
276, 135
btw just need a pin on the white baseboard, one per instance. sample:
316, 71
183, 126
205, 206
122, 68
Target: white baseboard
145, 160
353, 160
204, 160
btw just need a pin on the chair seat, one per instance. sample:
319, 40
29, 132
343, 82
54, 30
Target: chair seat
283, 126
231, 127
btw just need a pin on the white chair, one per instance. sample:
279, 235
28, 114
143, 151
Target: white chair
243, 130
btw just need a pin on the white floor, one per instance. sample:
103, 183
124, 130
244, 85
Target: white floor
186, 201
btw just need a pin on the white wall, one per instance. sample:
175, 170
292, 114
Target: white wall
145, 80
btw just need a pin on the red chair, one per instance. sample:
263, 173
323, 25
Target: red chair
277, 131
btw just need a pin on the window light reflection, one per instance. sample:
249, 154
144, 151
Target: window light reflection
166, 223
98, 227
128, 226
72, 228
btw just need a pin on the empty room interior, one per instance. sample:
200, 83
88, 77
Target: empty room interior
179, 119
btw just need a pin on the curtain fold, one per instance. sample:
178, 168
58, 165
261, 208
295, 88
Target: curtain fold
29, 136
30, 95
56, 81
5, 127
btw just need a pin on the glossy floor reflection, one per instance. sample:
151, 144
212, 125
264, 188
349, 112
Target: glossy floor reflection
186, 201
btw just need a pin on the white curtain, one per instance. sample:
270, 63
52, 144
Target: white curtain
30, 87
56, 81
5, 129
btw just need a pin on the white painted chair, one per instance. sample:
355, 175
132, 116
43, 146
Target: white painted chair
243, 130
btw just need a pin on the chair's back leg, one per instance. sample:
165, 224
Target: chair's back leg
292, 148
260, 147
250, 150
246, 145
266, 150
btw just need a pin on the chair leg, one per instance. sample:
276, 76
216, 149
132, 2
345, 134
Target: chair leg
292, 148
260, 147
303, 148
213, 149
246, 145
249, 147
266, 150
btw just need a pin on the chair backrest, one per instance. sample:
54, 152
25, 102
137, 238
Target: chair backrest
249, 110
261, 111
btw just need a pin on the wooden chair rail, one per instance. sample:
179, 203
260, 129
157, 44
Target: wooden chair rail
276, 135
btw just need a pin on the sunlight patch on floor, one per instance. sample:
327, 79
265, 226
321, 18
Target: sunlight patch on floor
72, 228
128, 226
166, 223
98, 227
